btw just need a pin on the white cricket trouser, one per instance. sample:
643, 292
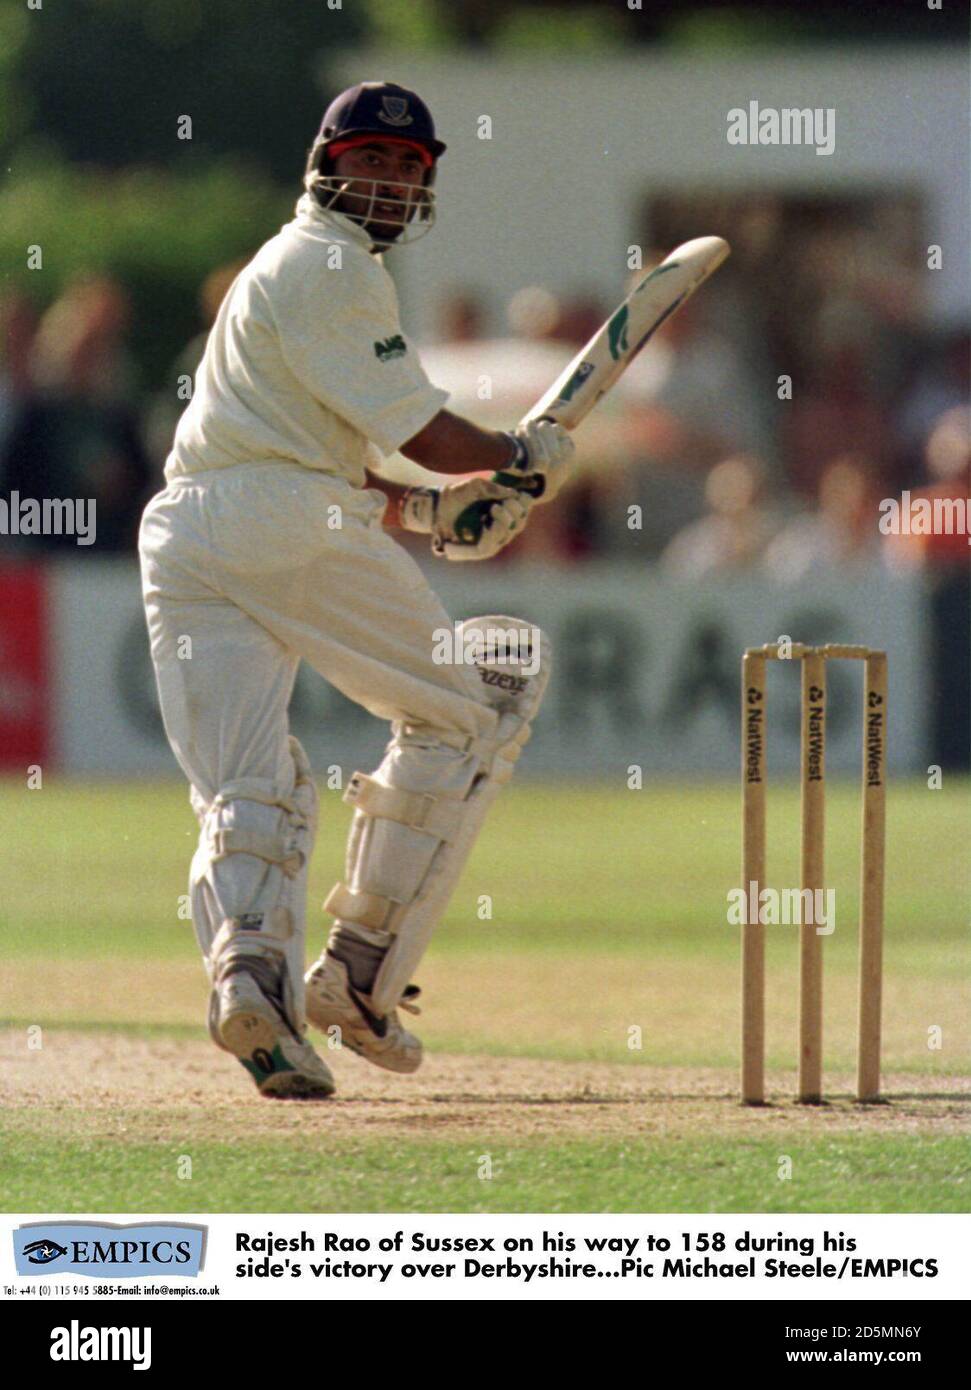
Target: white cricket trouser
242, 577
242, 561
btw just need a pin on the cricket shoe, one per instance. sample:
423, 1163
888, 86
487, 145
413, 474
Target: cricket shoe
244, 1019
333, 1002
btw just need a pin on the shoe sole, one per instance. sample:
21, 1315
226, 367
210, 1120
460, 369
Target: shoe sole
253, 1041
293, 1085
252, 1036
247, 1032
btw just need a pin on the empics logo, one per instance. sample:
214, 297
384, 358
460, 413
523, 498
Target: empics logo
42, 1252
103, 1250
76, 1343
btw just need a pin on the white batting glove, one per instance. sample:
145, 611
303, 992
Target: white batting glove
543, 454
500, 513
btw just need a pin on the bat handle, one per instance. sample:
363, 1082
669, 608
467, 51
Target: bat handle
470, 523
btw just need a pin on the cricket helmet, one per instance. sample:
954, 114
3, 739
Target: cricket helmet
375, 111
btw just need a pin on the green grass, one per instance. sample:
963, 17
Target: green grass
98, 868
860, 1175
609, 909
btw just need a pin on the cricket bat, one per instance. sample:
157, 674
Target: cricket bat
599, 365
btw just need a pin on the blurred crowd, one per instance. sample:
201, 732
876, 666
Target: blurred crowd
73, 421
714, 455
730, 444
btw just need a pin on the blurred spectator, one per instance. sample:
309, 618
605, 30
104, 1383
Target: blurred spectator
534, 313
538, 315
948, 459
734, 533
942, 545
18, 325
693, 398
698, 398
168, 404
580, 318
580, 524
944, 557
841, 532
573, 529
80, 344
495, 380
461, 318
835, 411
76, 435
941, 383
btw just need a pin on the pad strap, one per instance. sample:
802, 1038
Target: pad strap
482, 748
417, 810
254, 933
370, 909
274, 849
248, 789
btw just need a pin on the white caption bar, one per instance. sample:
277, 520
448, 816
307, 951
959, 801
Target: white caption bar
552, 1257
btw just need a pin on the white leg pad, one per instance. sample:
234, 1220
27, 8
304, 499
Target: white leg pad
417, 818
248, 879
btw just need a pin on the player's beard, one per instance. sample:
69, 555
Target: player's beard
358, 205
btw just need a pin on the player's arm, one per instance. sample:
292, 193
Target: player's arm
539, 452
394, 493
449, 444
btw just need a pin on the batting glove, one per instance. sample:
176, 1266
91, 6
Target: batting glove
542, 455
501, 513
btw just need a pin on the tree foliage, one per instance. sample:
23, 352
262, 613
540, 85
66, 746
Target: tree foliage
159, 234
109, 79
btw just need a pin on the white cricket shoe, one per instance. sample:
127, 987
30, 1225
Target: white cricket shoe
332, 1002
244, 1020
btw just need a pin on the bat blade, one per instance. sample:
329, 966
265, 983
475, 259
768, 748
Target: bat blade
598, 365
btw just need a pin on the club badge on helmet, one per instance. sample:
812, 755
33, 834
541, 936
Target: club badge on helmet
378, 111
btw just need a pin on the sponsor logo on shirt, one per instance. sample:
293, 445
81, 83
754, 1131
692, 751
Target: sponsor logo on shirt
390, 348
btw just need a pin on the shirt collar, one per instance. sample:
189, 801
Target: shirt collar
309, 210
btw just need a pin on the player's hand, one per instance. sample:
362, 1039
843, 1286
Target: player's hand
543, 458
501, 514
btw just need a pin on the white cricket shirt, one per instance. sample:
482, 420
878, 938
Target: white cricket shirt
306, 361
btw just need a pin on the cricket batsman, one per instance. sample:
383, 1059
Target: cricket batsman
267, 546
